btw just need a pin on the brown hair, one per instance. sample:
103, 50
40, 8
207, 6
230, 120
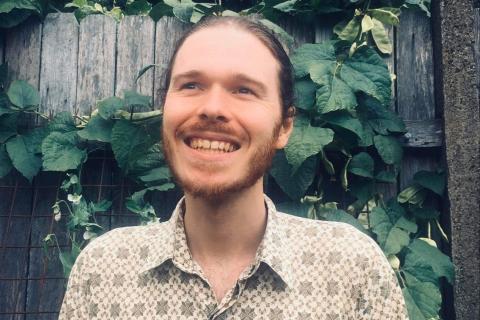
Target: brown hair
266, 36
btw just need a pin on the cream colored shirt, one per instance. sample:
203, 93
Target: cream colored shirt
304, 269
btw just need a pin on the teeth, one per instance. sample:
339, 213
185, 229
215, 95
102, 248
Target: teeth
217, 146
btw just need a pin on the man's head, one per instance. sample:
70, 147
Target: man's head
228, 106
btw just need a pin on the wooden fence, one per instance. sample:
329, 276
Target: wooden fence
73, 65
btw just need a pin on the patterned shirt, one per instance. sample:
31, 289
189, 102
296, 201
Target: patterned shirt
303, 269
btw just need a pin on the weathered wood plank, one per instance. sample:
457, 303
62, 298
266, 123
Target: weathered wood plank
414, 53
323, 30
301, 32
423, 133
476, 27
135, 50
22, 52
58, 74
168, 31
96, 61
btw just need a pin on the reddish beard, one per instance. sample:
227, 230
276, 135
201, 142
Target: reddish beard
259, 164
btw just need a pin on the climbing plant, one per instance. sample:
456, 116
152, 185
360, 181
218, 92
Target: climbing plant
345, 143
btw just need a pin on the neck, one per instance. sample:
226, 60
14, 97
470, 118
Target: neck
228, 229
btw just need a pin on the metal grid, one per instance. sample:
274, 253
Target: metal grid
32, 284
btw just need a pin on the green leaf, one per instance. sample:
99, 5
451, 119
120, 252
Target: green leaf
350, 31
345, 121
133, 98
184, 11
386, 15
383, 120
362, 165
23, 95
101, 206
389, 149
311, 54
393, 234
380, 36
22, 154
63, 122
129, 143
97, 129
341, 216
367, 23
305, 94
8, 126
151, 159
160, 10
8, 5
433, 181
423, 300
5, 162
420, 253
109, 106
60, 152
305, 141
366, 72
333, 93
138, 7
156, 175
413, 194
294, 184
286, 6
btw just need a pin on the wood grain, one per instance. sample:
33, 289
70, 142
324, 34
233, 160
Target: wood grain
96, 61
168, 31
58, 74
135, 50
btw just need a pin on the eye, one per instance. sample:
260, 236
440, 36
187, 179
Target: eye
244, 90
189, 86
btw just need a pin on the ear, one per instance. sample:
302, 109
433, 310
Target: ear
285, 130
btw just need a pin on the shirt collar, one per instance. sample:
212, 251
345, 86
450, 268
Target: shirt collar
273, 249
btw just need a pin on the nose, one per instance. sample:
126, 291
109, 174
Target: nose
214, 106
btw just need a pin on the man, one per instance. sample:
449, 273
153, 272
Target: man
226, 253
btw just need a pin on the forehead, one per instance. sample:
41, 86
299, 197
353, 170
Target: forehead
223, 49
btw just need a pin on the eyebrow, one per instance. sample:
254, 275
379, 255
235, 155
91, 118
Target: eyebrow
237, 76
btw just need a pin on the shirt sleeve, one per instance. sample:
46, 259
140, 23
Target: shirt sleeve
74, 302
381, 296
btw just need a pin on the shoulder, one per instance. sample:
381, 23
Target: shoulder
328, 236
124, 246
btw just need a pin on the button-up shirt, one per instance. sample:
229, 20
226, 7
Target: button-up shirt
303, 269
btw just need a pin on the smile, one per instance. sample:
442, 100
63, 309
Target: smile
211, 145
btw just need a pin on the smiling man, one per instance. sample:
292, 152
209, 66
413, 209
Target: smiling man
226, 253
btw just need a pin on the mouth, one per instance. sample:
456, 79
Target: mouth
214, 146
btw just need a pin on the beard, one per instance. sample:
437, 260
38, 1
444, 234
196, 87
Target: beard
259, 164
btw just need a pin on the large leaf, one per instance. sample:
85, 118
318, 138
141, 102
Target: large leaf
340, 78
305, 141
423, 300
8, 126
62, 122
311, 54
420, 253
151, 159
97, 129
434, 181
22, 154
8, 5
156, 175
305, 94
386, 15
134, 99
23, 95
341, 216
389, 149
107, 107
5, 162
138, 7
346, 121
379, 118
366, 72
160, 10
348, 31
129, 143
60, 152
392, 234
294, 184
380, 36
362, 165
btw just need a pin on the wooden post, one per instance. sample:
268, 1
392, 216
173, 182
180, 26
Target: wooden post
459, 27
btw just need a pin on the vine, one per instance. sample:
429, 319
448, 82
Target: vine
345, 142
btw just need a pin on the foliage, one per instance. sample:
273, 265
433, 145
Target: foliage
344, 140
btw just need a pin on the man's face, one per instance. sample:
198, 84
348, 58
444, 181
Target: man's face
222, 114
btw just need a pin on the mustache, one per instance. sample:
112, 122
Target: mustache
210, 126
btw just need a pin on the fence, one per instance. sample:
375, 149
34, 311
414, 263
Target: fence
73, 65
